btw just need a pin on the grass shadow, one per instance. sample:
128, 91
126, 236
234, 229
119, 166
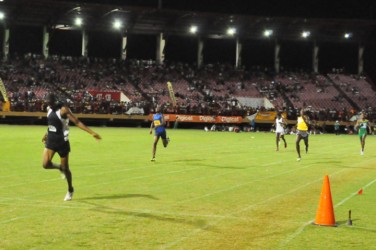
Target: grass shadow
344, 222
120, 196
326, 162
187, 160
221, 167
173, 218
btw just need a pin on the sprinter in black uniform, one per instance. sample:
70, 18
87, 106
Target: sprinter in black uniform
56, 139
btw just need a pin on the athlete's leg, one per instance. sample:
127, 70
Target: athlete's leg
48, 154
156, 139
306, 143
363, 141
64, 161
298, 138
165, 142
283, 138
277, 140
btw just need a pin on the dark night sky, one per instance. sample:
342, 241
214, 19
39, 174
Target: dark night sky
356, 9
293, 55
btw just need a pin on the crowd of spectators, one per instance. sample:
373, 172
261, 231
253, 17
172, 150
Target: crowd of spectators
213, 89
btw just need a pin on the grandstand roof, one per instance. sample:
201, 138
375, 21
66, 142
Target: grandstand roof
150, 20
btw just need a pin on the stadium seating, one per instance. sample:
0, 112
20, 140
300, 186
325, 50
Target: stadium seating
213, 89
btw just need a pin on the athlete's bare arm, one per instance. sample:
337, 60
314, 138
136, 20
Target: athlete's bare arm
78, 123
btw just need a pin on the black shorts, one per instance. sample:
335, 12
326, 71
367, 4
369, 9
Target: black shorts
62, 148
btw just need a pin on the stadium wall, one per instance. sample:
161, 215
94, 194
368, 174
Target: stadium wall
173, 121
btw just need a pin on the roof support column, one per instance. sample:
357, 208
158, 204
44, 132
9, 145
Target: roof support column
123, 52
200, 49
6, 44
46, 39
315, 58
238, 56
277, 48
161, 42
84, 50
360, 59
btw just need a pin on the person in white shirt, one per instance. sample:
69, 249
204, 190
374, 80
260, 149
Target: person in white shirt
280, 126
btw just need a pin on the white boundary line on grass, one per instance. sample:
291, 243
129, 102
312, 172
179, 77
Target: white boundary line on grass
301, 229
174, 243
244, 184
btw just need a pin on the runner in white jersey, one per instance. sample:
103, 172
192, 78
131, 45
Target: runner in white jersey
280, 125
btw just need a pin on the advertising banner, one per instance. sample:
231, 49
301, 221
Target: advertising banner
200, 118
268, 116
106, 95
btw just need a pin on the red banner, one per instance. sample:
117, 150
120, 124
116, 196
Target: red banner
200, 118
106, 95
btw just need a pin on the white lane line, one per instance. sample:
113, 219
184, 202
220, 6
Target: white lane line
243, 184
253, 205
301, 229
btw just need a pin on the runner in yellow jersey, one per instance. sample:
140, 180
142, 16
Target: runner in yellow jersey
302, 132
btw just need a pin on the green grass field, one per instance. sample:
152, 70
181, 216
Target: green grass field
215, 190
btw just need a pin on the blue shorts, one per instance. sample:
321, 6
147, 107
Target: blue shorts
161, 134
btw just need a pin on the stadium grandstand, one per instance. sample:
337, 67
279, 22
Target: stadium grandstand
115, 59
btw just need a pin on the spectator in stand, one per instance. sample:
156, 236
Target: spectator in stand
336, 127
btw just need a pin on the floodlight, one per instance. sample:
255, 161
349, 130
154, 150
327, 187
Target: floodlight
2, 15
306, 34
347, 35
117, 24
78, 21
268, 33
193, 29
231, 31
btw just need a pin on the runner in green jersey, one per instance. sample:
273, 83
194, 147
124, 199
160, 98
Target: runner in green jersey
362, 125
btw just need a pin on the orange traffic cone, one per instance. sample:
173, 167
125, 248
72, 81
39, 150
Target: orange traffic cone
325, 213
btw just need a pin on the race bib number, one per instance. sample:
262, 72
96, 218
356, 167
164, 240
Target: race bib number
51, 128
157, 123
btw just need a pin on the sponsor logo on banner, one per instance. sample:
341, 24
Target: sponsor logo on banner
201, 118
230, 119
207, 118
184, 118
